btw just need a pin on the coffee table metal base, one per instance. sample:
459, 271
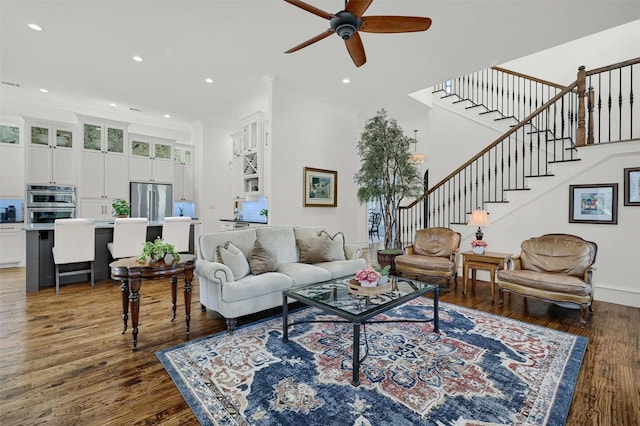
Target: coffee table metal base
355, 381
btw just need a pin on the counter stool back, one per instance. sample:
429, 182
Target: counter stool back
175, 230
129, 236
74, 242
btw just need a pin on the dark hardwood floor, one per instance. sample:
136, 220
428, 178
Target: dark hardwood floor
64, 360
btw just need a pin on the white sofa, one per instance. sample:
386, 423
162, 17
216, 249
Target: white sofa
234, 297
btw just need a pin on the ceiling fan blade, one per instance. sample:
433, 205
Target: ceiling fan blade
311, 41
394, 24
356, 49
302, 5
358, 7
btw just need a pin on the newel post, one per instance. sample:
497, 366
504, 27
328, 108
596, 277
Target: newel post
581, 135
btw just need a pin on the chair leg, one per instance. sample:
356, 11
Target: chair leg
231, 324
93, 282
57, 279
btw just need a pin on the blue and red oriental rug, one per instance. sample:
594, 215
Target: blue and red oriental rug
481, 369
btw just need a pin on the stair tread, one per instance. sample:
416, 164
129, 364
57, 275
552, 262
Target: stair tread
571, 160
517, 189
532, 176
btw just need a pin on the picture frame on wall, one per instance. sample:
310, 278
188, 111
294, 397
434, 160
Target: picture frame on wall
632, 186
593, 203
320, 187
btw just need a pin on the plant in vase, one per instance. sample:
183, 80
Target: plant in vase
121, 208
157, 250
478, 246
384, 273
368, 277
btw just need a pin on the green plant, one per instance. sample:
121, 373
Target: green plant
121, 207
387, 174
382, 270
157, 250
264, 212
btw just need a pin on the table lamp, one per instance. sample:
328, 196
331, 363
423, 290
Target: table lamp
479, 218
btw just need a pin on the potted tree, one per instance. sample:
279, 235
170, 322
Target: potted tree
121, 208
387, 174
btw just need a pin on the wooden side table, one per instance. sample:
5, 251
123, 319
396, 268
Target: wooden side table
489, 261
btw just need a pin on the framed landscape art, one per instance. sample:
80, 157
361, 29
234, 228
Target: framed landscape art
320, 188
632, 186
597, 203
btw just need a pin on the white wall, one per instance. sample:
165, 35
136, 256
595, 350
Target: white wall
310, 133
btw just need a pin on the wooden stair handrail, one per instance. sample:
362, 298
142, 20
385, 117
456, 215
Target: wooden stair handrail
528, 77
614, 66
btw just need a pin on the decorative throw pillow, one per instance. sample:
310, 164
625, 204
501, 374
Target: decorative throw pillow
336, 245
232, 257
314, 250
261, 260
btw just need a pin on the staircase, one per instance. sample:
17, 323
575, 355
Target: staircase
544, 125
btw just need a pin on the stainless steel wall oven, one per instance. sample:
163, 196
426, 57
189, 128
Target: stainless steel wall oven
46, 203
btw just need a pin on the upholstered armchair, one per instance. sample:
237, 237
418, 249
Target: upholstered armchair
556, 268
435, 252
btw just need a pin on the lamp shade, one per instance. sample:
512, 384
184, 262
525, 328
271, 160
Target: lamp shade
417, 158
479, 218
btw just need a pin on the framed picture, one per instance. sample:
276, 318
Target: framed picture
320, 188
632, 186
593, 203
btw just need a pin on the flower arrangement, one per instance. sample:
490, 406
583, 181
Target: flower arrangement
368, 277
478, 243
382, 270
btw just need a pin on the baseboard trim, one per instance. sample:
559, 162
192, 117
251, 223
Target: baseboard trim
617, 295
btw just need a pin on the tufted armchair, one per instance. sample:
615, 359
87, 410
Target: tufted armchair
553, 267
435, 252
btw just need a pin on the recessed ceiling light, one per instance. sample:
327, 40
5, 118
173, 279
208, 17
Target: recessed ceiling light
35, 27
113, 104
208, 80
346, 81
44, 90
137, 58
167, 116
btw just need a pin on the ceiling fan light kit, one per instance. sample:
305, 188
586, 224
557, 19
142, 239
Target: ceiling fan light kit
349, 21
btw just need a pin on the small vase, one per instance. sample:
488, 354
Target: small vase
478, 250
383, 279
368, 284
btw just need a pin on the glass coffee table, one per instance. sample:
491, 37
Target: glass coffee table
334, 297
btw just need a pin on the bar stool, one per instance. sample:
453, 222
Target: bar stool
129, 235
175, 230
74, 242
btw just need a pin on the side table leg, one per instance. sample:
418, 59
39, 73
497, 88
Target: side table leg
124, 289
174, 295
355, 381
134, 301
188, 277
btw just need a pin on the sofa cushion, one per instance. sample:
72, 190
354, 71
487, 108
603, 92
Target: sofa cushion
234, 259
561, 283
436, 242
261, 260
432, 263
241, 238
343, 268
562, 254
336, 245
303, 232
314, 250
253, 286
303, 273
280, 241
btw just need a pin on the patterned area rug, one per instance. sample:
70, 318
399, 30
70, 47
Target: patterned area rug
481, 369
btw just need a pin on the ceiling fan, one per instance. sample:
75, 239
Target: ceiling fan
349, 21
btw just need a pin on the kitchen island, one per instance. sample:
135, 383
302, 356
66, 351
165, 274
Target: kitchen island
39, 263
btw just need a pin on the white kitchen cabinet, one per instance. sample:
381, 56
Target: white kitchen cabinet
12, 161
51, 154
151, 159
183, 178
97, 208
12, 248
237, 181
247, 164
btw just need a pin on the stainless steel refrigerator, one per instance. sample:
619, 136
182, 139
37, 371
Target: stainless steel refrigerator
151, 200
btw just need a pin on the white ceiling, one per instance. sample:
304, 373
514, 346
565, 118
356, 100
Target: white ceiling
83, 56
